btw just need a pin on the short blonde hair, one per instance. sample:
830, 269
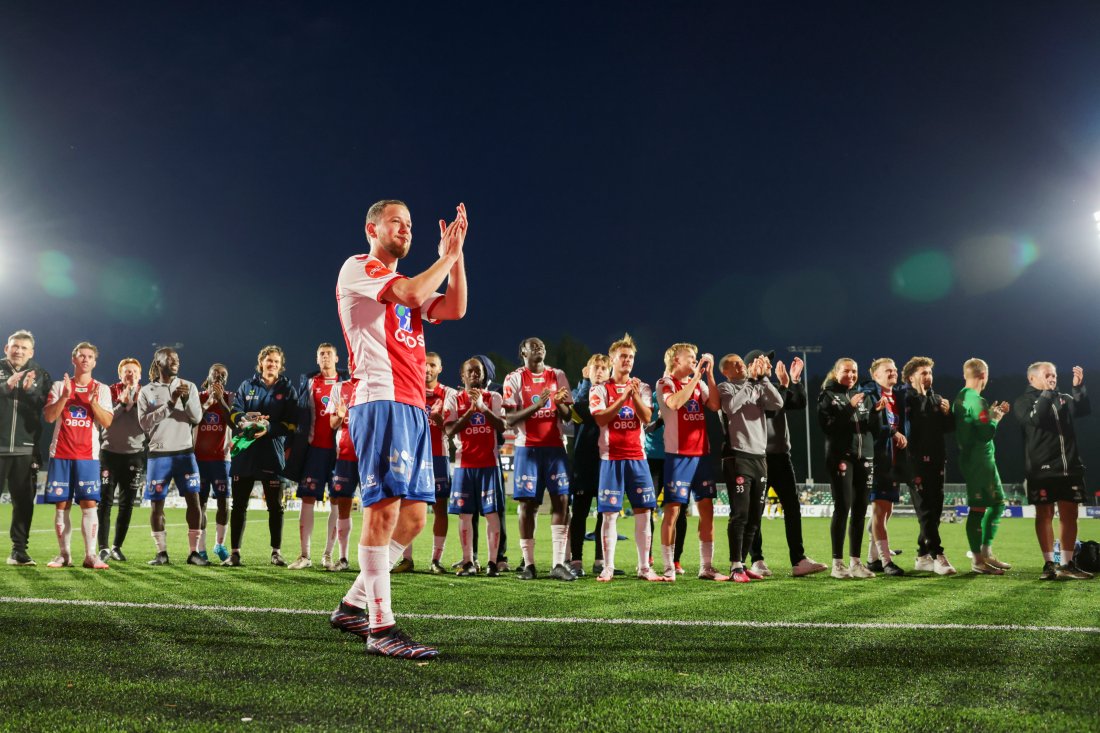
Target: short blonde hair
1036, 366
598, 359
128, 360
672, 351
879, 362
85, 345
973, 367
626, 342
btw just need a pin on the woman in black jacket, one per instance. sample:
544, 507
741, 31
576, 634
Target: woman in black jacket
849, 418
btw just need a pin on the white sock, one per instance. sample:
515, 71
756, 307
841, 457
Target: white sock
558, 535
853, 561
193, 539
466, 536
396, 550
642, 536
527, 549
610, 538
986, 551
59, 529
305, 528
439, 542
89, 526
884, 551
343, 531
332, 529
492, 534
1048, 557
377, 569
1067, 555
202, 541
160, 541
357, 594
407, 553
872, 549
668, 552
706, 554
219, 533
67, 534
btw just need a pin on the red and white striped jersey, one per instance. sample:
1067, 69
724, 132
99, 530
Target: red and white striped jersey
686, 428
342, 393
522, 389
320, 434
435, 401
385, 340
75, 435
214, 439
624, 437
476, 443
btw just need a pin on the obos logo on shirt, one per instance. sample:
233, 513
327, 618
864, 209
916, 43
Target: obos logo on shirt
404, 333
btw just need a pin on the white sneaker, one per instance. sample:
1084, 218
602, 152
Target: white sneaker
669, 574
978, 565
859, 570
924, 563
761, 568
806, 566
709, 573
301, 563
650, 575
840, 570
942, 567
326, 562
606, 575
994, 562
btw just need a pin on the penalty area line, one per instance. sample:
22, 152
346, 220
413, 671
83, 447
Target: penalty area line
574, 619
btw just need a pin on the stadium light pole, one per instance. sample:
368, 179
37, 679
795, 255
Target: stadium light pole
806, 351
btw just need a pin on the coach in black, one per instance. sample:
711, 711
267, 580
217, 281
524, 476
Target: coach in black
24, 385
1052, 465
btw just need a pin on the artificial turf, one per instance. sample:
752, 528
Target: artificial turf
135, 668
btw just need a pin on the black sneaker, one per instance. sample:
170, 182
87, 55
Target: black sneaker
492, 571
234, 560
891, 569
1050, 571
196, 559
277, 559
395, 643
160, 559
116, 554
577, 569
528, 573
351, 620
560, 572
21, 558
875, 566
104, 554
467, 571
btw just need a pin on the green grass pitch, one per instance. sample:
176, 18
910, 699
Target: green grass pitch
113, 667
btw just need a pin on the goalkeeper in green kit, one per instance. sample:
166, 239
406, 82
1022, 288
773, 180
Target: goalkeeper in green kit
975, 425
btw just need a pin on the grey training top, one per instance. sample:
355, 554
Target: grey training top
169, 425
744, 403
125, 434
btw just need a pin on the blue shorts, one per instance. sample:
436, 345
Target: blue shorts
183, 470
534, 469
474, 490
885, 490
631, 478
213, 475
66, 477
684, 474
394, 449
317, 472
441, 469
345, 480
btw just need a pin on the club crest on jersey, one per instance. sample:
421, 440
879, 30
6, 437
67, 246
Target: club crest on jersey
477, 419
983, 416
77, 413
626, 412
212, 418
691, 406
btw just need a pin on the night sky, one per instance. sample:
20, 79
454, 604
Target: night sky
878, 178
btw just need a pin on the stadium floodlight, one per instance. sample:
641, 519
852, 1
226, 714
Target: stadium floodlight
806, 351
1096, 218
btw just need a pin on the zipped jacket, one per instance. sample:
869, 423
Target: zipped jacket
280, 403
848, 430
1050, 440
21, 411
779, 434
927, 425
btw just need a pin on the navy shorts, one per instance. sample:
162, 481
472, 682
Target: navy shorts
536, 469
183, 470
474, 490
687, 475
72, 479
395, 451
631, 479
317, 472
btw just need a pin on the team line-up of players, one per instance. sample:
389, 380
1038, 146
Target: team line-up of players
633, 442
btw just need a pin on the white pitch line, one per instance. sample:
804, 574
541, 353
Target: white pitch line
573, 619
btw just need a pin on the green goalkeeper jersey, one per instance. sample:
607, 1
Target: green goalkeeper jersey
974, 430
